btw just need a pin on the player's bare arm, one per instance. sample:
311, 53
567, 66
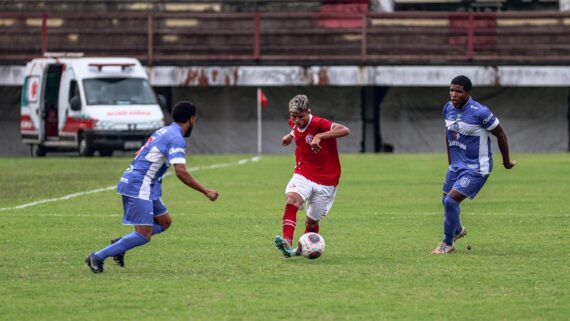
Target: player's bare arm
503, 146
336, 131
287, 139
187, 179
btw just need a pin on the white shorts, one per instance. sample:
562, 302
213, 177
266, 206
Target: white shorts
318, 198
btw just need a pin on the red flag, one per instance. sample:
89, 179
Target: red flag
261, 98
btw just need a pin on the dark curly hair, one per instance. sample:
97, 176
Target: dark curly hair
462, 81
183, 111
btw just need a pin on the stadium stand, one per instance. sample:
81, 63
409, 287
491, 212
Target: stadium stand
199, 42
357, 7
283, 37
160, 6
475, 5
229, 32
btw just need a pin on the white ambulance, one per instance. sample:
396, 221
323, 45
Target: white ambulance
87, 104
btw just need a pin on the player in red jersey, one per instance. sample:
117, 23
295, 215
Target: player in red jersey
317, 170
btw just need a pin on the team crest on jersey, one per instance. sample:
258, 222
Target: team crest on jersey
456, 126
309, 139
464, 182
456, 135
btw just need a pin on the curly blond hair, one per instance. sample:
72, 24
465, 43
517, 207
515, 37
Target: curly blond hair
299, 103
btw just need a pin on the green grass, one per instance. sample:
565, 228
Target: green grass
218, 262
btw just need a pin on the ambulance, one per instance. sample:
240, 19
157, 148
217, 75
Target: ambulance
88, 105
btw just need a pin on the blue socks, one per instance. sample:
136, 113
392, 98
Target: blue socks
451, 222
126, 243
157, 228
102, 254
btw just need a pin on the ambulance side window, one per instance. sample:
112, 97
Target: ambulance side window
74, 98
73, 90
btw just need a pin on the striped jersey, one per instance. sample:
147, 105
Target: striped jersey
143, 178
468, 136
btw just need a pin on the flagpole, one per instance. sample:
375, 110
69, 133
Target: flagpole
258, 121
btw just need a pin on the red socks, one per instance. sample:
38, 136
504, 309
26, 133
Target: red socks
289, 222
315, 229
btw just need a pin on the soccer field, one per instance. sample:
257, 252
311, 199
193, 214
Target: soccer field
218, 261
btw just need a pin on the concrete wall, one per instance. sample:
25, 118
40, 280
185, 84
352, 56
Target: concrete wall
277, 76
535, 118
531, 101
10, 123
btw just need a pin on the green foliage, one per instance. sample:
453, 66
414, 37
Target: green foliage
218, 262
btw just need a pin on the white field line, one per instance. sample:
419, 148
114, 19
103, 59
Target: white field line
109, 188
62, 215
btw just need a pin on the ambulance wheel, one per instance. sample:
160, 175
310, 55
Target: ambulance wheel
85, 148
38, 151
106, 152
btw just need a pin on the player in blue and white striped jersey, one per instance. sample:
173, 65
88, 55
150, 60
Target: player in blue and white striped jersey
469, 155
141, 186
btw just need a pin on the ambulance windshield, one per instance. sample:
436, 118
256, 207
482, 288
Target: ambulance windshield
118, 91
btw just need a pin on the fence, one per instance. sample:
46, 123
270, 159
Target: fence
302, 38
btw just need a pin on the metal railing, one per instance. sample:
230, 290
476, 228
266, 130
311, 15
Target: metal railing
301, 38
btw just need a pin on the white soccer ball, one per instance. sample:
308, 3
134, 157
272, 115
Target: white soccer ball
312, 245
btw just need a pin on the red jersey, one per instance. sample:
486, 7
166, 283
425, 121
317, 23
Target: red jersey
323, 167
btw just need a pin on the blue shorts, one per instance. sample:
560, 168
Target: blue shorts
464, 181
141, 212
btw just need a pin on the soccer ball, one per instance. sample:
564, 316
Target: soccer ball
312, 245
